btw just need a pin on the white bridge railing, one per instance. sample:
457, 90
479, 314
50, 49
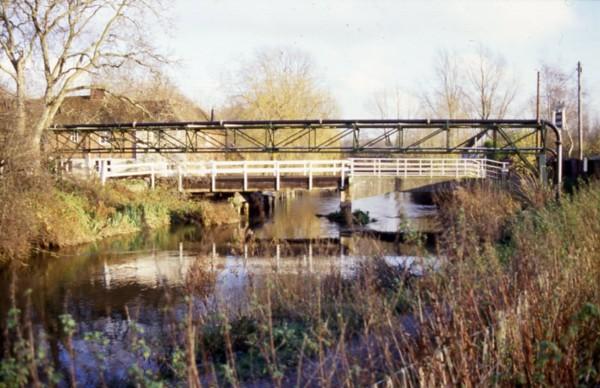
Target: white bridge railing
384, 167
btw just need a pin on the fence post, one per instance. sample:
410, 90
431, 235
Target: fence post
88, 165
245, 169
152, 176
456, 167
405, 168
179, 179
310, 176
420, 167
277, 176
103, 172
342, 173
213, 176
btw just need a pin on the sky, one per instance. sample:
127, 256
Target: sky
362, 47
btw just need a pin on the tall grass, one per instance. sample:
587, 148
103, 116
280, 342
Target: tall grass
57, 213
514, 301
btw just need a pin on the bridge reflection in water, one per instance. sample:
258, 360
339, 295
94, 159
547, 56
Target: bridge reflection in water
147, 274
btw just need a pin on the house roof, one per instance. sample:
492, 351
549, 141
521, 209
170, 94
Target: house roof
104, 108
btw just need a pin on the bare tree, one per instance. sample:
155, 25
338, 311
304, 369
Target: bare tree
558, 90
490, 90
392, 103
445, 97
17, 42
61, 43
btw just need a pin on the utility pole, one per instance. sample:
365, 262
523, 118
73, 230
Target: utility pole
537, 99
538, 141
579, 116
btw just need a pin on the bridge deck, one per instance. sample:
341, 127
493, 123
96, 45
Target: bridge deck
256, 175
260, 183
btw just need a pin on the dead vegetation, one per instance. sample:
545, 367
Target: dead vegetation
514, 301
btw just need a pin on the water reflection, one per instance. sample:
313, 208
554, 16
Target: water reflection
397, 211
297, 218
393, 212
99, 279
145, 276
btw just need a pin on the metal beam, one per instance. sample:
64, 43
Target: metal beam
285, 136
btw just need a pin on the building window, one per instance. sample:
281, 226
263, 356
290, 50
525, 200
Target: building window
74, 137
105, 139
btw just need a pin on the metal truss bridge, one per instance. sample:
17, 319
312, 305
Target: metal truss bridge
480, 138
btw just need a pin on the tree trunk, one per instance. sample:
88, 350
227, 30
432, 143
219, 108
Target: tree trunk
20, 114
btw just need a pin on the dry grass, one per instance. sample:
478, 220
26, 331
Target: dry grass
515, 303
22, 186
38, 211
474, 218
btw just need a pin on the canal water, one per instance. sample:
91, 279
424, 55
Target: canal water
143, 277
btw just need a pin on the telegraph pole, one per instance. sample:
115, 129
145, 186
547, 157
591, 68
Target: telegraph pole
537, 99
579, 116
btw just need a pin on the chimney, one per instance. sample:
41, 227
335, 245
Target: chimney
97, 93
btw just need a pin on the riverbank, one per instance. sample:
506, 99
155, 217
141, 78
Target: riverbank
70, 211
513, 299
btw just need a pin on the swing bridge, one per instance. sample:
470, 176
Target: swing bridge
307, 154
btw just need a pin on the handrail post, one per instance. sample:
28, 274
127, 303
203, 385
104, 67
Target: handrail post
342, 173
152, 179
277, 177
213, 176
179, 179
245, 170
405, 167
103, 172
310, 176
456, 168
483, 168
420, 167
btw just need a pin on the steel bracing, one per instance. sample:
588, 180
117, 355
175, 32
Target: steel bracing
308, 136
349, 137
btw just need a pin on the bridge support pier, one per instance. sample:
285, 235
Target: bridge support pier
346, 204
